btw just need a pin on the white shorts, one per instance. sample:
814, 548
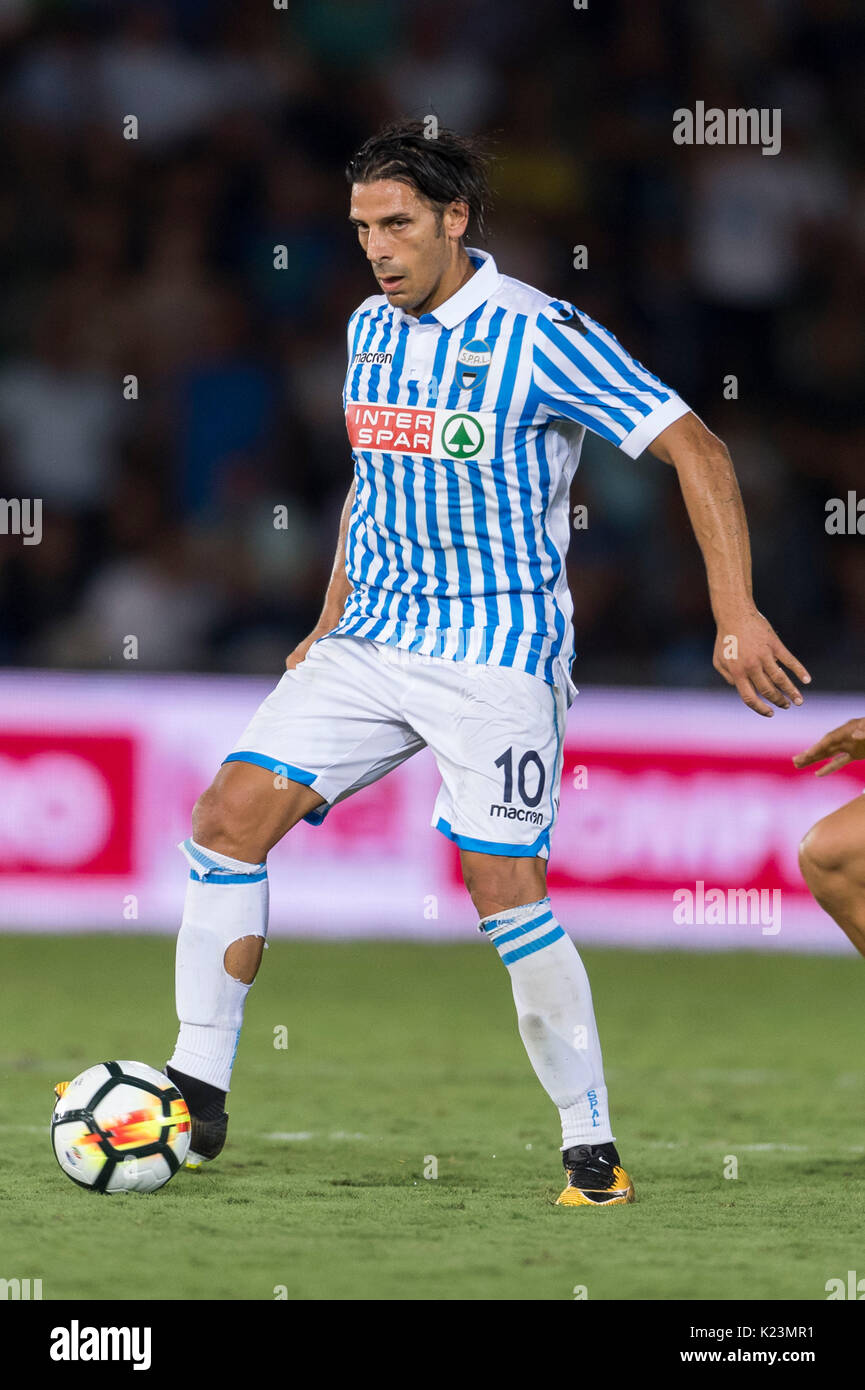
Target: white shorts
355, 709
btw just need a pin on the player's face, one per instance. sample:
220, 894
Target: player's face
410, 248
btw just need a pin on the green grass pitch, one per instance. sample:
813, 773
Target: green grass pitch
396, 1052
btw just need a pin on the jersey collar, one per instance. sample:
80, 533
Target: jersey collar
470, 296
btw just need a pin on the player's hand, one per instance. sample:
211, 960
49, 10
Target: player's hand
296, 657
749, 655
841, 745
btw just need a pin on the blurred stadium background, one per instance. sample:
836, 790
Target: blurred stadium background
154, 257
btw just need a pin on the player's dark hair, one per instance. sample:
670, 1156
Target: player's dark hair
440, 167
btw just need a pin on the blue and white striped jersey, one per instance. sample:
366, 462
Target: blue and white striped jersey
466, 426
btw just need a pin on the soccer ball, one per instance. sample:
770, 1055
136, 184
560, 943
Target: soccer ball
120, 1127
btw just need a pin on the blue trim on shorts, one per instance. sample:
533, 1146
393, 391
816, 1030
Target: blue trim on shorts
494, 846
556, 759
295, 774
283, 769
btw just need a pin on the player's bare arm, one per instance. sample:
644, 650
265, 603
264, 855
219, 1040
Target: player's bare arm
842, 745
749, 654
338, 590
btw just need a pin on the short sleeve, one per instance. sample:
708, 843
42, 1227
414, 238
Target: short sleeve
581, 372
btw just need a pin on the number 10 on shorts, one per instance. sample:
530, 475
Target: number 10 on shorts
530, 770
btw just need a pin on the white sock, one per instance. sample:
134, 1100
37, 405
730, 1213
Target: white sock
225, 899
556, 1017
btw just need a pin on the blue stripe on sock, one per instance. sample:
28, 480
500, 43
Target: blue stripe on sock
216, 880
522, 931
491, 923
532, 946
199, 856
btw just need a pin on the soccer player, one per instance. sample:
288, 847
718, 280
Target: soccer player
447, 624
832, 854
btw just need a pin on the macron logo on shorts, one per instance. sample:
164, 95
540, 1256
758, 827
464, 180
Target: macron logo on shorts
517, 813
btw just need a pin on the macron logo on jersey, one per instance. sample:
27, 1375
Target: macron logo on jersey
438, 434
378, 359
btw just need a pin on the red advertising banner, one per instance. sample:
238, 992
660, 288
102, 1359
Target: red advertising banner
680, 818
66, 806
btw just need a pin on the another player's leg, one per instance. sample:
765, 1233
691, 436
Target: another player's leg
235, 824
832, 859
556, 1018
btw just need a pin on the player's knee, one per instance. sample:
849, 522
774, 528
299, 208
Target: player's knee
495, 898
207, 819
503, 884
487, 892
218, 825
824, 852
